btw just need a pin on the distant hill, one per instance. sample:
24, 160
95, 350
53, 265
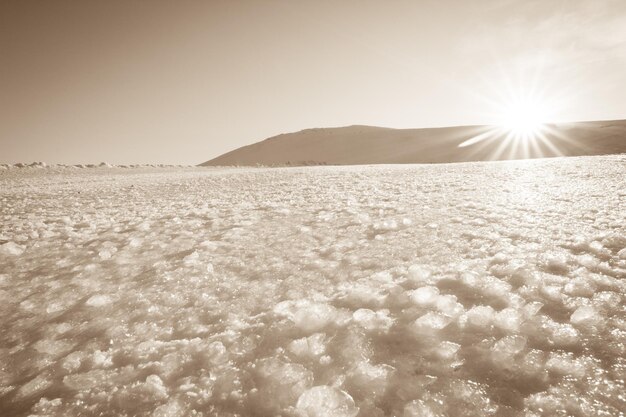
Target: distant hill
352, 145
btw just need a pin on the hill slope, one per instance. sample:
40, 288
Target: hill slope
377, 145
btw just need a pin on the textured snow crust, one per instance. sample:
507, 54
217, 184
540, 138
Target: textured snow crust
477, 289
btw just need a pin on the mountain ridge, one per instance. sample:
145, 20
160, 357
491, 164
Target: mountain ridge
365, 144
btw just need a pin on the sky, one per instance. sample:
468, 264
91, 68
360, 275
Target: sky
181, 82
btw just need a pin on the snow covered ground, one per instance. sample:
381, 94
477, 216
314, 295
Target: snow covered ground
423, 290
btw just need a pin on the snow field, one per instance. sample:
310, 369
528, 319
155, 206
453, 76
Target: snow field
426, 290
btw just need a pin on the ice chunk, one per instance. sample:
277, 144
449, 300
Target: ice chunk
314, 317
565, 335
564, 363
419, 274
425, 296
386, 225
98, 300
72, 362
598, 249
480, 316
373, 320
309, 347
53, 347
46, 407
470, 279
326, 360
307, 315
505, 350
11, 249
580, 287
87, 380
508, 320
191, 259
614, 241
430, 323
448, 305
605, 301
149, 392
585, 316
365, 296
326, 401
500, 258
135, 242
100, 359
227, 385
496, 288
154, 387
34, 387
533, 363
446, 350
173, 408
418, 408
285, 308
555, 263
532, 308
370, 380
397, 297
216, 353
280, 383
144, 226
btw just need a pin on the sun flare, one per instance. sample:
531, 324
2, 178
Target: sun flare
523, 118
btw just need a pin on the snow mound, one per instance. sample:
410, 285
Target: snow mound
325, 401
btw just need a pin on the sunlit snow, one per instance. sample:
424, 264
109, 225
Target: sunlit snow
471, 289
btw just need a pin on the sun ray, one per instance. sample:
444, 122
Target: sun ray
475, 139
545, 140
535, 148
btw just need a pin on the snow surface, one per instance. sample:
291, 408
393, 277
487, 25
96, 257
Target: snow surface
464, 290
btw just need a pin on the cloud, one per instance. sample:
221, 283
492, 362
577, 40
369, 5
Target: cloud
572, 32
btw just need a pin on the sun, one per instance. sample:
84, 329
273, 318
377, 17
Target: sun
522, 126
523, 118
